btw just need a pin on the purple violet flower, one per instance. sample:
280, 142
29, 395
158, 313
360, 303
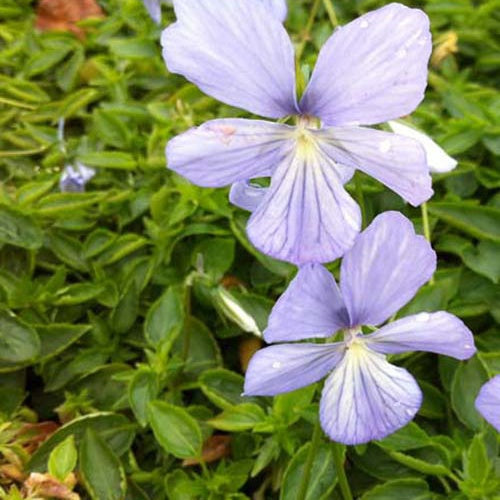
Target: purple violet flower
364, 396
73, 179
372, 70
488, 402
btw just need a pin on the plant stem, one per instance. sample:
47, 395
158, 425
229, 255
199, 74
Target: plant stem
315, 442
307, 31
331, 13
427, 229
338, 456
361, 200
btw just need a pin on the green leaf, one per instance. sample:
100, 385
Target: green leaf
19, 343
468, 379
115, 429
479, 221
409, 437
63, 204
143, 389
239, 418
216, 254
179, 486
109, 159
323, 475
424, 464
55, 338
101, 470
477, 464
202, 349
63, 458
165, 318
19, 230
223, 387
129, 48
175, 429
399, 489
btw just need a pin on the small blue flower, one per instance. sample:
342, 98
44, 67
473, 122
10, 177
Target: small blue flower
73, 179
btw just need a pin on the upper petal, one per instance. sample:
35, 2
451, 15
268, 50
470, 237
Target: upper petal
398, 162
235, 51
367, 398
438, 160
310, 307
286, 367
438, 332
488, 402
372, 70
306, 215
384, 269
221, 152
278, 7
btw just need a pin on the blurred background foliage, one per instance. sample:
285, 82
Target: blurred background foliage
128, 312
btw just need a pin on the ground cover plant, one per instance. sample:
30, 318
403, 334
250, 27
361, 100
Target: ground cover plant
131, 301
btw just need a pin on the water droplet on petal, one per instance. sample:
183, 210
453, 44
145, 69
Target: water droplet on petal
276, 365
422, 40
385, 146
402, 53
409, 412
467, 346
422, 317
364, 24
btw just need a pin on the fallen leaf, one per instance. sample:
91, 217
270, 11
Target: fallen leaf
11, 472
214, 448
47, 486
32, 435
63, 15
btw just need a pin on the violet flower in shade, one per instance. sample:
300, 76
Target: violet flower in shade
488, 402
364, 397
73, 179
372, 70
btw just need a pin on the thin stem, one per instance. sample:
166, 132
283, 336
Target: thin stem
187, 331
361, 199
331, 13
338, 457
427, 229
445, 484
313, 450
307, 31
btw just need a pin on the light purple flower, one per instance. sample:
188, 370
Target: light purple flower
488, 402
372, 70
74, 178
364, 396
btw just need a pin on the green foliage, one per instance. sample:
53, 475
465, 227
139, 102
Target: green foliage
127, 311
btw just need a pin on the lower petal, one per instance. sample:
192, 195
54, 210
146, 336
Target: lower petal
286, 367
221, 152
438, 332
367, 398
306, 215
398, 162
488, 402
